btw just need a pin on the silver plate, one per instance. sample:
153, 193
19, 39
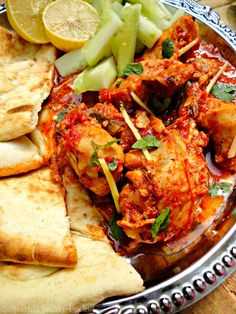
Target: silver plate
196, 281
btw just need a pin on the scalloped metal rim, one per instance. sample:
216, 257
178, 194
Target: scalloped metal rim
214, 267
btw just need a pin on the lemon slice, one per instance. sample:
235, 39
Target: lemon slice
25, 18
70, 23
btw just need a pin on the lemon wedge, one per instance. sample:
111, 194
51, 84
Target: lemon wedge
70, 23
25, 18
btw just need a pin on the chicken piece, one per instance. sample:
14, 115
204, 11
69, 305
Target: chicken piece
121, 89
182, 32
162, 77
109, 117
190, 104
84, 141
204, 70
175, 178
145, 123
195, 92
165, 76
219, 118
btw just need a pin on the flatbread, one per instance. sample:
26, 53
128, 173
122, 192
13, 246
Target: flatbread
34, 228
85, 217
24, 272
26, 79
19, 155
99, 274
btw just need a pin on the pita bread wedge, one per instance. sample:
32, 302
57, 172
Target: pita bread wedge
99, 274
26, 79
34, 228
19, 155
85, 217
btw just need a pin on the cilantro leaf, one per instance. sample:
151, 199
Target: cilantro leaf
224, 92
118, 83
94, 157
112, 165
111, 143
217, 186
162, 222
60, 116
168, 48
146, 141
132, 68
116, 232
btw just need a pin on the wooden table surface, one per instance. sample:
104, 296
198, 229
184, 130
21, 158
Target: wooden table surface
223, 299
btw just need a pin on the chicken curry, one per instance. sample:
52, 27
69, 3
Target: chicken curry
180, 101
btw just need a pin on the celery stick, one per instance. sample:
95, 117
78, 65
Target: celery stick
93, 79
148, 32
95, 49
151, 10
128, 36
71, 62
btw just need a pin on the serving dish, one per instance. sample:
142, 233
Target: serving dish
205, 274
217, 264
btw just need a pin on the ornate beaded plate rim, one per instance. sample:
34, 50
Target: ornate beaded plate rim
213, 268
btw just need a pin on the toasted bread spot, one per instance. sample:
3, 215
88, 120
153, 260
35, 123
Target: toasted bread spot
22, 108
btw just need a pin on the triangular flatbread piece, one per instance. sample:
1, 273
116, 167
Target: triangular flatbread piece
99, 274
19, 155
34, 228
26, 79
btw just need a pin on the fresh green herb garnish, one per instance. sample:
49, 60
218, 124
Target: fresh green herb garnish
162, 222
224, 92
146, 141
217, 186
112, 165
132, 68
118, 83
94, 157
168, 48
116, 232
110, 143
60, 116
